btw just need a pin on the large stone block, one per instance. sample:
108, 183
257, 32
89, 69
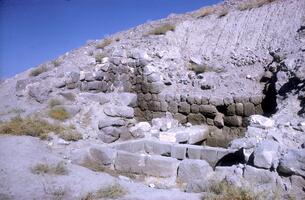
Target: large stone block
184, 108
194, 151
161, 166
195, 108
266, 154
233, 121
196, 119
239, 109
157, 147
102, 155
213, 154
293, 163
133, 146
249, 109
178, 151
231, 110
190, 170
129, 162
260, 177
208, 110
119, 111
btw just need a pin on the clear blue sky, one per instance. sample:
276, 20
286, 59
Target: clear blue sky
34, 31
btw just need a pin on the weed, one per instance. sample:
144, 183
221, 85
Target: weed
54, 102
39, 70
29, 126
106, 42
59, 113
163, 29
253, 4
70, 136
44, 168
56, 63
225, 191
99, 57
109, 192
205, 12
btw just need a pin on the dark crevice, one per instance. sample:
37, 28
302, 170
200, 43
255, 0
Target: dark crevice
237, 157
269, 104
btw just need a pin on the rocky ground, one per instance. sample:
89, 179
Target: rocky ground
203, 105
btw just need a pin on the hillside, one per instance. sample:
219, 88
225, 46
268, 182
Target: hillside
172, 108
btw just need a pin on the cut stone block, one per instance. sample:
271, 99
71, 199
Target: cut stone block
160, 166
157, 147
178, 151
129, 162
190, 170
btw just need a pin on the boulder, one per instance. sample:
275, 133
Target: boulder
110, 121
111, 134
190, 170
102, 155
139, 130
266, 154
233, 121
119, 111
293, 163
39, 92
184, 108
208, 110
261, 122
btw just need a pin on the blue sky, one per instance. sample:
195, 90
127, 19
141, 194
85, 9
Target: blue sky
34, 31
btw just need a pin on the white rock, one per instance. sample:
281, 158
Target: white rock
261, 122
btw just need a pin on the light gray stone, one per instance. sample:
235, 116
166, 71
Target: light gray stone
190, 170
140, 129
178, 151
129, 162
111, 134
261, 122
132, 146
266, 154
110, 121
119, 111
293, 163
102, 155
160, 166
158, 147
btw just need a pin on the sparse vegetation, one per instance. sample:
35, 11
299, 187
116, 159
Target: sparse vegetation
59, 113
223, 12
39, 70
54, 169
225, 191
70, 136
253, 4
205, 12
106, 42
109, 192
99, 57
56, 62
29, 126
54, 102
163, 29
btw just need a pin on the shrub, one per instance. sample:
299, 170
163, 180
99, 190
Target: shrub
223, 12
39, 70
225, 191
106, 42
205, 12
44, 168
99, 57
70, 136
29, 126
56, 63
163, 29
54, 102
253, 4
109, 192
59, 113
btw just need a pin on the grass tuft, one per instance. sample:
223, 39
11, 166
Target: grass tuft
59, 114
70, 136
163, 29
54, 102
205, 12
106, 42
29, 126
56, 63
109, 192
99, 57
39, 70
223, 12
225, 191
253, 4
44, 168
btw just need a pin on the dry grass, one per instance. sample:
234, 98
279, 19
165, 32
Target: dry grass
225, 191
205, 12
109, 192
253, 4
29, 126
163, 29
59, 113
71, 135
223, 12
54, 102
39, 70
56, 63
99, 57
106, 42
44, 168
